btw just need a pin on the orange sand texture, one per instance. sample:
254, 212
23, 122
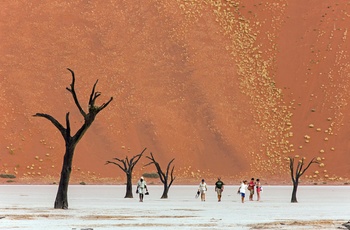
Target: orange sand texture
228, 88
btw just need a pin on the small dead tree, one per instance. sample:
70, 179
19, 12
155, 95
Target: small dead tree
164, 177
299, 171
61, 201
127, 166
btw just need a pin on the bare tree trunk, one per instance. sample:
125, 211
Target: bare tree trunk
165, 191
294, 193
61, 201
128, 193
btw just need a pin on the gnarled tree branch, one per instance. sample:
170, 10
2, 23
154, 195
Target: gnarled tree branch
54, 122
72, 91
164, 177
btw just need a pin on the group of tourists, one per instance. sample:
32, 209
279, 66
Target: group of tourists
252, 186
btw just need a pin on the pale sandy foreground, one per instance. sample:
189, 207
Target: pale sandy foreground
103, 207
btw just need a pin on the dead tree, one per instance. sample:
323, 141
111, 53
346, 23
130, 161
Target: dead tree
164, 177
61, 201
127, 167
299, 171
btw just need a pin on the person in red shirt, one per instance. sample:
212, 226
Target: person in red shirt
251, 186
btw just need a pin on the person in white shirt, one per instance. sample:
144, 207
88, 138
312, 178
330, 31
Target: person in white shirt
141, 188
202, 189
242, 190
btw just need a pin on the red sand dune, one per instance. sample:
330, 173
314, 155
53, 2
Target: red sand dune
227, 88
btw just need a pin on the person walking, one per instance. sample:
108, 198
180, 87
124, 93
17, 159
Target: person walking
202, 189
258, 189
141, 188
219, 188
242, 190
251, 187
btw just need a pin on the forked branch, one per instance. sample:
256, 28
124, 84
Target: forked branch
126, 165
299, 170
163, 176
93, 96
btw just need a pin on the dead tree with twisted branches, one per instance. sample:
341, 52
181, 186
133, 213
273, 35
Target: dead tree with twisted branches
61, 201
299, 171
164, 177
127, 166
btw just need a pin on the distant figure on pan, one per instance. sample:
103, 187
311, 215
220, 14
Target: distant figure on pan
141, 188
242, 189
202, 189
251, 187
219, 188
258, 189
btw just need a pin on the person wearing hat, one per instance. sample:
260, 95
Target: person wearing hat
141, 188
202, 189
